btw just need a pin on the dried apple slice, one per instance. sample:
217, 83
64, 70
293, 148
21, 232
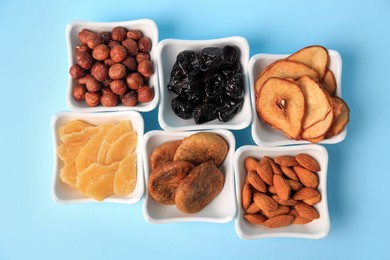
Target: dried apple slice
329, 82
341, 120
316, 101
318, 129
281, 104
315, 57
284, 69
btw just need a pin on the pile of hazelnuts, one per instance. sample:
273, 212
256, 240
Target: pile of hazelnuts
112, 67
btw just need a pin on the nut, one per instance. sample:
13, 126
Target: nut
94, 40
106, 37
76, 71
131, 46
92, 98
85, 60
100, 72
81, 48
106, 90
118, 53
118, 87
83, 34
142, 56
130, 63
134, 81
101, 52
118, 34
130, 99
108, 62
79, 92
145, 94
107, 83
92, 84
144, 44
145, 67
111, 44
134, 34
117, 71
109, 100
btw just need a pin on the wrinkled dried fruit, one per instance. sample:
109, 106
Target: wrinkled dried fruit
164, 153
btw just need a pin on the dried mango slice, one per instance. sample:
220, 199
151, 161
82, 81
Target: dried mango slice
121, 147
126, 175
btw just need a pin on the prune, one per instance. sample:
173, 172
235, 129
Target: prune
188, 84
205, 112
212, 58
229, 108
234, 87
230, 54
182, 107
187, 62
214, 85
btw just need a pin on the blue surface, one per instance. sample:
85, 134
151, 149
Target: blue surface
33, 85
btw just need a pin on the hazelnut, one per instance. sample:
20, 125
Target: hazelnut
107, 83
134, 81
134, 34
111, 44
118, 87
142, 56
101, 52
85, 60
131, 46
100, 71
109, 100
79, 92
144, 44
92, 84
106, 37
118, 34
117, 71
130, 63
130, 99
106, 90
83, 34
94, 40
76, 71
145, 67
145, 94
118, 53
92, 98
81, 48
108, 62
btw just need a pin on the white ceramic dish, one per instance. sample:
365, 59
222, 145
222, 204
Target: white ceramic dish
262, 133
316, 229
167, 51
61, 192
148, 28
221, 210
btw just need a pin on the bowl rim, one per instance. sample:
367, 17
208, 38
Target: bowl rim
200, 43
146, 107
132, 198
285, 150
257, 137
190, 218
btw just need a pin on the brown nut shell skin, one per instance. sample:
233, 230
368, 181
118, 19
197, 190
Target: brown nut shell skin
165, 179
201, 147
199, 188
164, 153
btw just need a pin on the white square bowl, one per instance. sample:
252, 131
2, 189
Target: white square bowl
265, 135
61, 192
221, 210
148, 28
316, 229
167, 51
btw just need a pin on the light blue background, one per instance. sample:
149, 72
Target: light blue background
33, 82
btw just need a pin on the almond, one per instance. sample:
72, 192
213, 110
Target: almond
256, 182
308, 162
282, 188
305, 193
289, 202
271, 189
289, 173
250, 164
294, 185
279, 221
255, 218
275, 168
313, 200
246, 196
252, 209
264, 170
286, 160
265, 202
306, 177
298, 219
281, 210
306, 211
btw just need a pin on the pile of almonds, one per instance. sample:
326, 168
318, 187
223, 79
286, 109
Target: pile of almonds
112, 67
281, 191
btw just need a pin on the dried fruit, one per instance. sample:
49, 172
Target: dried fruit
163, 153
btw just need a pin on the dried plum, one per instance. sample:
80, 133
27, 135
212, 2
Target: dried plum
230, 54
212, 58
234, 87
205, 112
182, 107
214, 85
229, 108
187, 62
